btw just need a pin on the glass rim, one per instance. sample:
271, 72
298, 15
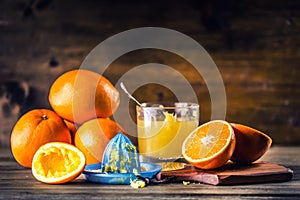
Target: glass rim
147, 105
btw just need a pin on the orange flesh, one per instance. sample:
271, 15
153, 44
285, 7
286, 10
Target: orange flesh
207, 141
56, 162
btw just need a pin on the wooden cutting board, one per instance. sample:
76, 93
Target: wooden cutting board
232, 174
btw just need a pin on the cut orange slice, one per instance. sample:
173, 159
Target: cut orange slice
210, 145
57, 163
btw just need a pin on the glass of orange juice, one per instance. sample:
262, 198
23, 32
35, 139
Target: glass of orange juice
162, 128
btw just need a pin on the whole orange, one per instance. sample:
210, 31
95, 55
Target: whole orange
33, 129
82, 95
251, 144
93, 136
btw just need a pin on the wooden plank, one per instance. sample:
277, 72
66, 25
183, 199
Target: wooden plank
17, 182
232, 174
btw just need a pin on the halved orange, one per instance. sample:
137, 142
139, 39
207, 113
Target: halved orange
210, 145
57, 162
251, 144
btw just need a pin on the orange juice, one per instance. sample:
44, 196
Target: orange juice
162, 137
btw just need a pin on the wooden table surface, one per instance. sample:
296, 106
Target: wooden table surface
17, 182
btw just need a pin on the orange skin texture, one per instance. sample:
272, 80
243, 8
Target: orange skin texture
72, 128
93, 136
251, 144
82, 95
32, 130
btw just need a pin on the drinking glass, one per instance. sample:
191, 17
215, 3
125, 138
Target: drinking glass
162, 128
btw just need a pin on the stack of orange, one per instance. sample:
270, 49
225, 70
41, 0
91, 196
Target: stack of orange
214, 143
82, 101
85, 99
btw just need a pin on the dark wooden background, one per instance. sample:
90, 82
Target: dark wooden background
255, 45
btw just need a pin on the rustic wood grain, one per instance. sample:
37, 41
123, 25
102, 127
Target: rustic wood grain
18, 183
232, 174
